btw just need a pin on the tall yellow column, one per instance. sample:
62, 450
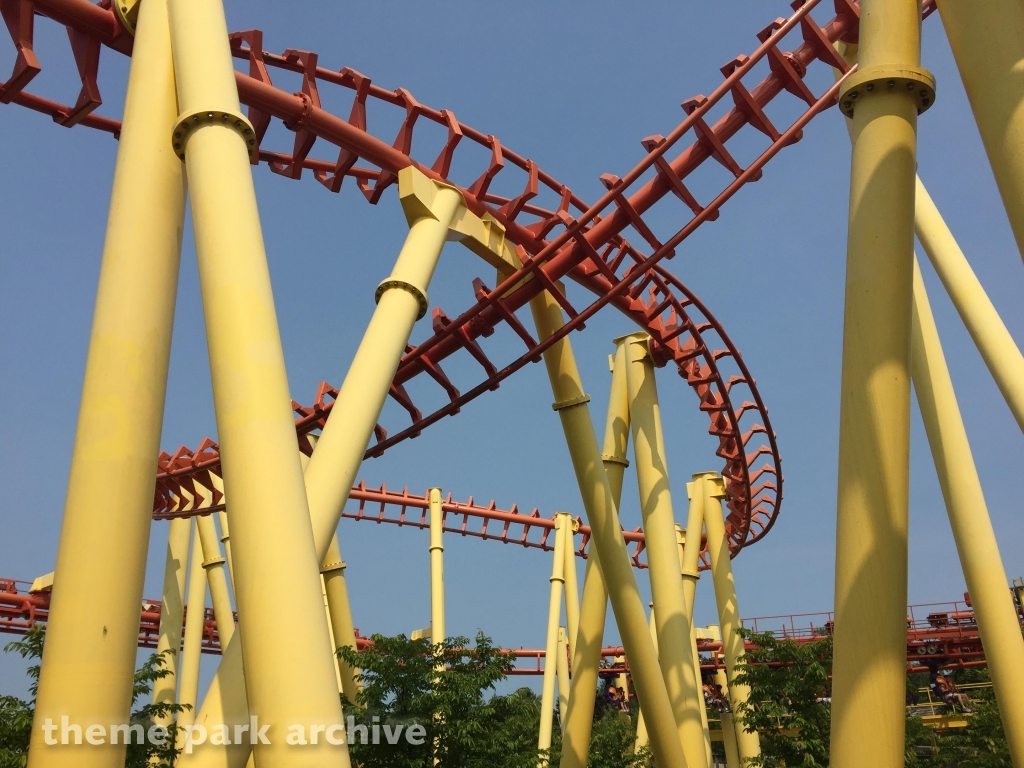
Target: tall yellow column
968, 516
641, 727
596, 492
289, 666
93, 627
694, 655
732, 750
562, 668
728, 607
191, 653
437, 628
579, 717
225, 539
333, 571
216, 578
673, 623
988, 44
172, 609
883, 98
547, 696
994, 342
401, 300
572, 590
430, 208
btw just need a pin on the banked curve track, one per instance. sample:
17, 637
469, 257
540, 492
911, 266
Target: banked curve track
557, 235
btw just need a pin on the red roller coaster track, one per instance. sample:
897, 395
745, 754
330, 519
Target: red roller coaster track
940, 634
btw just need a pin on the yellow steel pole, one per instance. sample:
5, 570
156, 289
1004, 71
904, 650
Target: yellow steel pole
694, 655
191, 653
572, 591
562, 668
437, 628
579, 717
330, 631
217, 580
673, 625
732, 750
748, 742
883, 98
288, 665
401, 299
547, 696
225, 539
994, 342
92, 631
988, 44
172, 610
596, 492
968, 515
642, 738
333, 571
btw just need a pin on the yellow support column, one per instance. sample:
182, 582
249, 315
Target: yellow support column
883, 98
225, 539
289, 667
642, 738
988, 44
213, 563
728, 607
333, 571
430, 208
93, 628
562, 668
437, 628
694, 655
689, 565
572, 590
968, 515
602, 514
547, 696
732, 750
172, 610
994, 342
191, 653
673, 625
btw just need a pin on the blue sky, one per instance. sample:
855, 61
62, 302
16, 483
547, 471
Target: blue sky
575, 87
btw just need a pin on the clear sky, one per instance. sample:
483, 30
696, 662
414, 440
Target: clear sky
575, 86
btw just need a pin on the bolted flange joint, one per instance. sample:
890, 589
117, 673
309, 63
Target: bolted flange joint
188, 124
421, 297
916, 82
128, 14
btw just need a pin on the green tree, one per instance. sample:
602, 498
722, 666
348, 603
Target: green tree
789, 702
471, 729
464, 728
16, 715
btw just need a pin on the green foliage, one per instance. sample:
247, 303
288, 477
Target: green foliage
789, 707
16, 715
612, 743
471, 729
464, 727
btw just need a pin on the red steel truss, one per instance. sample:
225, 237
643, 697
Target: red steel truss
940, 634
382, 505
